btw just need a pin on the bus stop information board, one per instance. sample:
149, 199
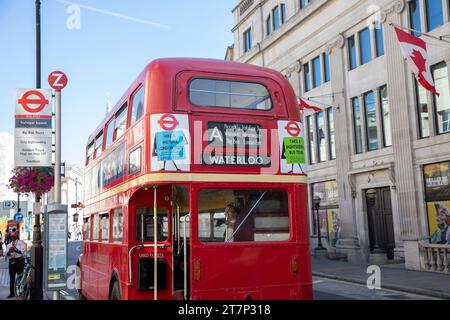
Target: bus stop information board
55, 265
33, 128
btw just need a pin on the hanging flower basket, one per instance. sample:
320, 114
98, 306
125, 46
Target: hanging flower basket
27, 180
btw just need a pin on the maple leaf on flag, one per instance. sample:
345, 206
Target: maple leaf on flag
419, 60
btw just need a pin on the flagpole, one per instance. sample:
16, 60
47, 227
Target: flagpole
324, 104
440, 38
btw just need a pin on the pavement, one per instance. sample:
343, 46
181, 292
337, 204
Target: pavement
393, 277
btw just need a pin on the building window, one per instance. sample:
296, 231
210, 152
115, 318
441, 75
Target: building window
320, 125
326, 67
414, 16
386, 117
307, 76
371, 121
422, 110
364, 46
379, 40
331, 136
276, 18
317, 78
312, 149
247, 40
352, 52
268, 26
283, 13
442, 103
304, 3
435, 16
357, 124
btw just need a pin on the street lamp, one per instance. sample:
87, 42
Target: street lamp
371, 196
316, 201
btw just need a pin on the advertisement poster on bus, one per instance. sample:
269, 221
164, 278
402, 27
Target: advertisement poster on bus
292, 147
439, 222
170, 142
235, 144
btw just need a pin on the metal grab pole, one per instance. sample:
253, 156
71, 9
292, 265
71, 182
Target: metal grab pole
155, 247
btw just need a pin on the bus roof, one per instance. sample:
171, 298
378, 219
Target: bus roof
170, 67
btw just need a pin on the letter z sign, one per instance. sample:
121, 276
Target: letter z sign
57, 80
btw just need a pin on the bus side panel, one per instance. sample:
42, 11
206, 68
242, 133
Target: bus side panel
301, 195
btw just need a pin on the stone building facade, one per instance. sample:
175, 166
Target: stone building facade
378, 131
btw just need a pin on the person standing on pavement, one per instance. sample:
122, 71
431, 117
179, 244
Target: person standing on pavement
14, 253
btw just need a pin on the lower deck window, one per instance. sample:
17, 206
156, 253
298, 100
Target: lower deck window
236, 215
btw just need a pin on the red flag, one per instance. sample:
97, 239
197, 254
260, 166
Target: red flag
303, 105
414, 51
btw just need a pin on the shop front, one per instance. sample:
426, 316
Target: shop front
327, 214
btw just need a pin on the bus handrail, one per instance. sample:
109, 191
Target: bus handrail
140, 247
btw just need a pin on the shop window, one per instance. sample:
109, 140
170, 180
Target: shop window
437, 196
235, 215
328, 215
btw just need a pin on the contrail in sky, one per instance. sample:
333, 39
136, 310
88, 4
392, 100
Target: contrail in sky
117, 15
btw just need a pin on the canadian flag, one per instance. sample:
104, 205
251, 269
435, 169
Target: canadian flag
414, 51
303, 105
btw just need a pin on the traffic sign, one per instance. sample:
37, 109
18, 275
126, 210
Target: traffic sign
18, 217
293, 129
57, 80
9, 204
168, 122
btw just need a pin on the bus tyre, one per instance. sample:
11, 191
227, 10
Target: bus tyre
115, 292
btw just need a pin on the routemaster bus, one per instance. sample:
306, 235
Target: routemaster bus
195, 188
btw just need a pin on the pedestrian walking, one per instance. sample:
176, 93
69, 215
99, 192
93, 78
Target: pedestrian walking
14, 253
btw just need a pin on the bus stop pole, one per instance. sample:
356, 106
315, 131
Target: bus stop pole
57, 157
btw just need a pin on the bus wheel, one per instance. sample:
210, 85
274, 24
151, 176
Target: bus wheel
115, 292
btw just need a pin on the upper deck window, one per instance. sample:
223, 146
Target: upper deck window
90, 152
121, 121
229, 94
98, 144
137, 105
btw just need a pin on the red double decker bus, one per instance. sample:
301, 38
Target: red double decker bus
195, 188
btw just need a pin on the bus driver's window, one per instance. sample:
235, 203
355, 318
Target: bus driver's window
144, 224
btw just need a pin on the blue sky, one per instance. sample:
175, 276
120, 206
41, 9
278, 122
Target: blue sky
116, 39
